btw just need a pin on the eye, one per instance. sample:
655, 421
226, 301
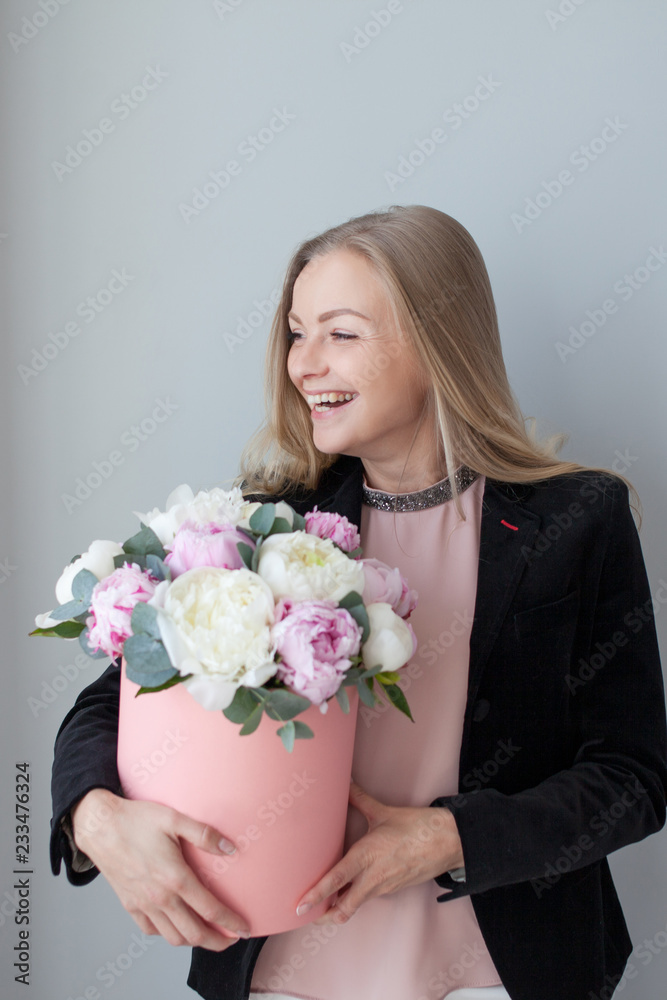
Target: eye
292, 335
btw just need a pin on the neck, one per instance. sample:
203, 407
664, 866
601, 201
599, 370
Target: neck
398, 480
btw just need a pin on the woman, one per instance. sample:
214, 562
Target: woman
539, 742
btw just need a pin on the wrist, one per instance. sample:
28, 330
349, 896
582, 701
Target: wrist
90, 813
453, 856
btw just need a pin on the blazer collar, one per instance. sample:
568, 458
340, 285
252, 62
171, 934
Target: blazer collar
508, 525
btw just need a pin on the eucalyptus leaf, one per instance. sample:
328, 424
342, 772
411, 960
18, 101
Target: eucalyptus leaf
147, 661
360, 615
302, 731
280, 526
365, 694
144, 543
157, 567
350, 600
298, 522
83, 584
242, 705
162, 687
246, 553
370, 672
253, 720
144, 620
285, 705
83, 642
343, 700
287, 734
125, 557
398, 699
262, 518
70, 610
254, 562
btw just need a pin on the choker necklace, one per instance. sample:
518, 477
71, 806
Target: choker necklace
421, 499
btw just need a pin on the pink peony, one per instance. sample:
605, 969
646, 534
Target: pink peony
334, 526
112, 604
207, 544
315, 640
382, 583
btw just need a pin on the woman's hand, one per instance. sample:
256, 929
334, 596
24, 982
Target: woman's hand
403, 846
136, 846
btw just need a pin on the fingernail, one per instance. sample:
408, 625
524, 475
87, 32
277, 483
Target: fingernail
243, 934
226, 846
303, 908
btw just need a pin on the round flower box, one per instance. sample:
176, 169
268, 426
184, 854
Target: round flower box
285, 811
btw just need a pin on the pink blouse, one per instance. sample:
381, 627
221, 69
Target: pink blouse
404, 945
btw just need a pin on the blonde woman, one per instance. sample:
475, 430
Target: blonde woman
475, 863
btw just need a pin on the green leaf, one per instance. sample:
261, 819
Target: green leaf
253, 720
352, 675
398, 699
370, 671
355, 552
242, 704
301, 730
350, 600
343, 700
144, 543
246, 553
360, 615
254, 562
167, 684
66, 630
285, 705
298, 522
83, 584
70, 610
262, 519
287, 733
157, 567
280, 526
147, 661
365, 694
388, 677
83, 642
144, 620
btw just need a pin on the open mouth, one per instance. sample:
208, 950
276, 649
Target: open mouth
325, 404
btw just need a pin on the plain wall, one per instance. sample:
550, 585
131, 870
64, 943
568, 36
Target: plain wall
354, 106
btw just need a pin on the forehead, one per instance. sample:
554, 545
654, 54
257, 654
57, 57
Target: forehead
338, 279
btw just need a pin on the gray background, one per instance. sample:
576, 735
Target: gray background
223, 69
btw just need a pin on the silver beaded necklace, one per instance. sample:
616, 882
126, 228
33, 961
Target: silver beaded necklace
420, 499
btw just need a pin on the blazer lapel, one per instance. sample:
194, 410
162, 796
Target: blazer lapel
501, 559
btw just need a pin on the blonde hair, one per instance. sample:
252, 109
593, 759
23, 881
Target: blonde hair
439, 292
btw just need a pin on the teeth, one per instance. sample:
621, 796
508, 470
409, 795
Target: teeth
330, 397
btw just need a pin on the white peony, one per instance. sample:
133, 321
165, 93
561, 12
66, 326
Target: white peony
282, 510
306, 567
216, 505
390, 640
98, 559
216, 624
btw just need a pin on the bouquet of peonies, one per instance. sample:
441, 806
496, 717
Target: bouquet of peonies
251, 606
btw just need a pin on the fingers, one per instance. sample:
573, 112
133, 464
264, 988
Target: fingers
200, 835
340, 875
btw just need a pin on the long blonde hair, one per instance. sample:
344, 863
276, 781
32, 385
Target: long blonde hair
439, 292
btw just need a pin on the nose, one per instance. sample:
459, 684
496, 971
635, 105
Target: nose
308, 360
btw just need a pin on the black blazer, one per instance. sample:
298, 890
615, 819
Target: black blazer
564, 748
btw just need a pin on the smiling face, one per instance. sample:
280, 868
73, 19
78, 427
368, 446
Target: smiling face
344, 341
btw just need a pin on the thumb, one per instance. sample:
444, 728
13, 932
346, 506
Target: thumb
363, 801
202, 835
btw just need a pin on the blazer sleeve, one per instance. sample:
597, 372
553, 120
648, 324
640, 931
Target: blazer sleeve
84, 758
615, 790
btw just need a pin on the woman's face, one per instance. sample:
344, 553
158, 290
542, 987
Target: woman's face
344, 340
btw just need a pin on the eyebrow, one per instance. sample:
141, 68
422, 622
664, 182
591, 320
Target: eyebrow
330, 315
